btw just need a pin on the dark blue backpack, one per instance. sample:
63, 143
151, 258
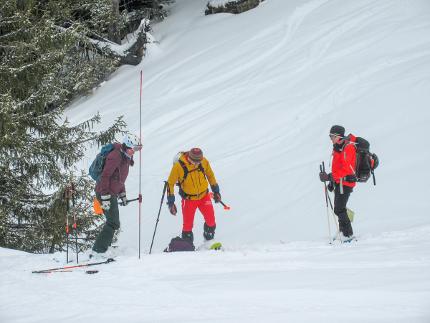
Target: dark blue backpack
96, 168
179, 244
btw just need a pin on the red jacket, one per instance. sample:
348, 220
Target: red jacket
343, 161
114, 173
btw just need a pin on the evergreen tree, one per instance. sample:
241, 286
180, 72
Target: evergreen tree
41, 69
48, 56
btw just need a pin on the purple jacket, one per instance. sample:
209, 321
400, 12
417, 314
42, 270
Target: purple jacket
114, 173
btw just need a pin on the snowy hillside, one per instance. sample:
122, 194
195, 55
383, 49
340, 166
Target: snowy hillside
258, 93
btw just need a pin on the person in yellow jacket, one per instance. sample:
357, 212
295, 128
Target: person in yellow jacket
194, 174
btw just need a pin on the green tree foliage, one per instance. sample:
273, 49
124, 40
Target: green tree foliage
43, 65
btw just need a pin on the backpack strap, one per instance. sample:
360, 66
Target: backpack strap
185, 169
186, 172
348, 141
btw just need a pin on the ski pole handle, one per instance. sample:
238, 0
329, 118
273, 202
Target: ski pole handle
325, 185
132, 200
226, 207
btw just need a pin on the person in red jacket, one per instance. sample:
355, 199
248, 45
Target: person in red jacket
342, 176
111, 188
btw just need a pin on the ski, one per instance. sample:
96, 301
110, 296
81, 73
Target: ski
216, 246
69, 268
352, 239
212, 246
345, 240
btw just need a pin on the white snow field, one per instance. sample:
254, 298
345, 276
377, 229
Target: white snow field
258, 92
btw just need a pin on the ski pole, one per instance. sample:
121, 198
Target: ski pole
66, 197
75, 226
158, 216
334, 215
133, 200
331, 206
47, 271
67, 239
326, 202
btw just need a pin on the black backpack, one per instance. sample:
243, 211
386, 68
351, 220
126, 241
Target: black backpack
179, 244
366, 162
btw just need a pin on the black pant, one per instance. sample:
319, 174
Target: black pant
105, 237
340, 201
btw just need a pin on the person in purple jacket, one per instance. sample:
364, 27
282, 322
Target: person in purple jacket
111, 188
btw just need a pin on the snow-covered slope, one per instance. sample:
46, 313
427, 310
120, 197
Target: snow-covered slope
380, 279
258, 93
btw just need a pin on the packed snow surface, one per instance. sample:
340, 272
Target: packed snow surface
258, 92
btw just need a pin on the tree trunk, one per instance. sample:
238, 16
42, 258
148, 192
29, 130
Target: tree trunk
114, 33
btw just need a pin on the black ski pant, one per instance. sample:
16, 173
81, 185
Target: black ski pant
340, 201
105, 237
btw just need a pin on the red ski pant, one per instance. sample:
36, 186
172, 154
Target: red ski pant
189, 208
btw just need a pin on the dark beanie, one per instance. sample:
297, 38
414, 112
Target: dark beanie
337, 130
195, 154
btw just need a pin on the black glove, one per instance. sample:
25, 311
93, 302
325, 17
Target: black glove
123, 199
216, 193
217, 197
330, 187
171, 203
324, 177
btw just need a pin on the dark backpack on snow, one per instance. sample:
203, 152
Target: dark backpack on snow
366, 162
96, 168
179, 244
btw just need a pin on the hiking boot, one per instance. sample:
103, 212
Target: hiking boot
208, 232
97, 257
188, 235
345, 239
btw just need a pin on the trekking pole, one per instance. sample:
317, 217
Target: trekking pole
132, 200
62, 269
331, 206
336, 222
158, 216
373, 175
326, 202
65, 195
75, 226
140, 159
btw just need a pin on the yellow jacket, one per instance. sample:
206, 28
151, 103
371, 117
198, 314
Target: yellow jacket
196, 184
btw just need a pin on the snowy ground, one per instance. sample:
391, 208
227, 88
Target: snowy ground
258, 93
382, 278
